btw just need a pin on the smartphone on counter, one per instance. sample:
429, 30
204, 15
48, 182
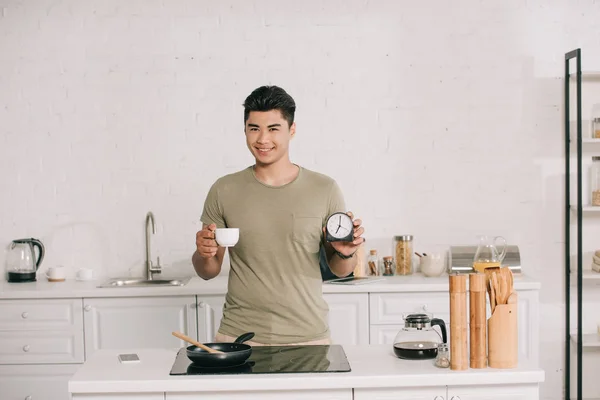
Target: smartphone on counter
128, 358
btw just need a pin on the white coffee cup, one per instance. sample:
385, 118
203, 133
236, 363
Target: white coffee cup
227, 237
432, 264
85, 274
56, 274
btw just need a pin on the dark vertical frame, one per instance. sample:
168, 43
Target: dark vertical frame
569, 56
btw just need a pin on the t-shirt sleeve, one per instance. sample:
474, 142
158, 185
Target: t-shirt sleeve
213, 209
336, 200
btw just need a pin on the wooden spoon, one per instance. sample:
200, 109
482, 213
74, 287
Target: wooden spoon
195, 343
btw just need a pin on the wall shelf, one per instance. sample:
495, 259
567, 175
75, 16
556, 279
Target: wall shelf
587, 75
589, 339
587, 209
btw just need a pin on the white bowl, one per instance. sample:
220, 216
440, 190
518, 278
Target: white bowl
433, 264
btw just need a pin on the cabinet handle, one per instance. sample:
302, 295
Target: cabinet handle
208, 322
24, 315
455, 398
425, 309
28, 398
26, 348
438, 398
87, 308
201, 304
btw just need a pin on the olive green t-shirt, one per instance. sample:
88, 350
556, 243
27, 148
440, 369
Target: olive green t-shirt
275, 284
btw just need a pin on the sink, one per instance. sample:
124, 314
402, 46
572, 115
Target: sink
143, 282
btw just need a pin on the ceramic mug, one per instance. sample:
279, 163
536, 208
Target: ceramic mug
432, 264
85, 274
227, 237
56, 274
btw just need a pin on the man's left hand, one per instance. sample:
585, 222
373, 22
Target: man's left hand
349, 248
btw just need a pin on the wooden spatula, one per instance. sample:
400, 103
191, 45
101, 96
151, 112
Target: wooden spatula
195, 343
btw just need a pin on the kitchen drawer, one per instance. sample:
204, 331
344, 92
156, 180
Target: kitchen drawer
35, 382
389, 308
40, 314
38, 347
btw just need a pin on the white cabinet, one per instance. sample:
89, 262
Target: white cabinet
430, 393
493, 392
36, 382
348, 317
387, 310
210, 313
123, 396
323, 394
138, 322
486, 392
41, 331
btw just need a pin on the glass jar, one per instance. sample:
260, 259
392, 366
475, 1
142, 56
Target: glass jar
442, 360
388, 266
595, 177
404, 252
596, 128
373, 263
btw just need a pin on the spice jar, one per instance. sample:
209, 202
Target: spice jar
373, 263
442, 360
595, 184
596, 128
404, 251
388, 266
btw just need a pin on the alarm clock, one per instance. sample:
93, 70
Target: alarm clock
339, 228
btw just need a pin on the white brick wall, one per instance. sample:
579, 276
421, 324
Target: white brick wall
449, 115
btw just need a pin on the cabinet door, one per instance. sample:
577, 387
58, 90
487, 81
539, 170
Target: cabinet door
348, 317
128, 322
384, 334
36, 382
119, 396
210, 312
432, 393
494, 392
323, 394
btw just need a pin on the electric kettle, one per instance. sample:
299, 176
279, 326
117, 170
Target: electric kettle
21, 260
418, 340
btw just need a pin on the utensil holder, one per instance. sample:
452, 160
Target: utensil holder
503, 339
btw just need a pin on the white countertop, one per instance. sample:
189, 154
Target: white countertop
218, 286
372, 366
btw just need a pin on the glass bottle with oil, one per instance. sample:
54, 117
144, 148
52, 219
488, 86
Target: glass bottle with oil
488, 254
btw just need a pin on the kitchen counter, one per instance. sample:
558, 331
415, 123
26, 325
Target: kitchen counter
218, 286
373, 366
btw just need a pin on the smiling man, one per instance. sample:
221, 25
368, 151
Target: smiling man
274, 287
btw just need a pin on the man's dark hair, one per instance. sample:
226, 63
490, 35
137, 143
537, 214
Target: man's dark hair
267, 98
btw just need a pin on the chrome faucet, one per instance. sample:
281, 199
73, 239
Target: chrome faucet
150, 270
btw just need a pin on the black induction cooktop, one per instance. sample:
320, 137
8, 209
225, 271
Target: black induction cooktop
274, 360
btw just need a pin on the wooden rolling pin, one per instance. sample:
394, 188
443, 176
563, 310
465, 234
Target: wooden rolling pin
459, 358
478, 321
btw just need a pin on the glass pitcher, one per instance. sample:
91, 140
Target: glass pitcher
488, 254
418, 340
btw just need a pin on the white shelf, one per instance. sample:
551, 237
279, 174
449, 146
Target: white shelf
587, 208
589, 339
589, 140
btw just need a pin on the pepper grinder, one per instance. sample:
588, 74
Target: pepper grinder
459, 358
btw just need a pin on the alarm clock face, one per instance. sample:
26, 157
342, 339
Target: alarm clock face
339, 226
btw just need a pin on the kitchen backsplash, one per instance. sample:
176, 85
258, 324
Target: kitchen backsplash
442, 120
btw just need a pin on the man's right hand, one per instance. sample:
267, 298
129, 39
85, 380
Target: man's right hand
206, 245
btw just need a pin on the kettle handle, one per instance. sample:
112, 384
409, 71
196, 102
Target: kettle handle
41, 251
442, 325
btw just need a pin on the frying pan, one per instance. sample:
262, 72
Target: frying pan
233, 354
